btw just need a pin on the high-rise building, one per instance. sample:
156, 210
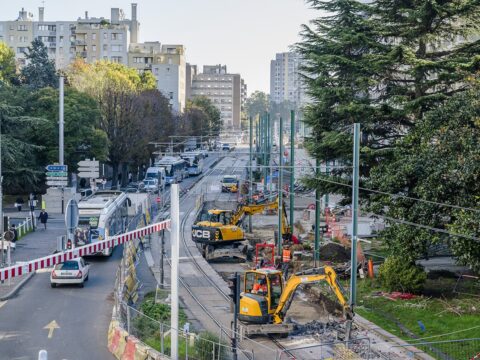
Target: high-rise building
167, 64
88, 38
285, 80
224, 90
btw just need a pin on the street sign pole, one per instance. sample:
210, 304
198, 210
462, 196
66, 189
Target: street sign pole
355, 178
280, 192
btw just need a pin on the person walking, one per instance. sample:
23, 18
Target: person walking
13, 229
43, 217
19, 203
286, 258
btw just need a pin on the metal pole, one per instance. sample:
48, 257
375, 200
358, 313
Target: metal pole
292, 167
175, 253
1, 202
162, 253
272, 157
60, 123
235, 315
355, 178
316, 253
280, 185
265, 149
250, 174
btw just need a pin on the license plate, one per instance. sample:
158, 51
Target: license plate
65, 273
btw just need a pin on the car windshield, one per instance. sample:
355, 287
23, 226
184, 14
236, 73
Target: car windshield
229, 180
67, 265
149, 182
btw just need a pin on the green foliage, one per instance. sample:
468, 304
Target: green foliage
396, 274
18, 154
7, 64
39, 72
160, 312
257, 104
205, 118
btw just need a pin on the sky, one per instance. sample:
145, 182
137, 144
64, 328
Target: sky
242, 34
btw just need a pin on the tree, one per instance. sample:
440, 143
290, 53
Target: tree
19, 169
212, 122
383, 64
256, 104
7, 64
82, 136
437, 161
39, 72
115, 87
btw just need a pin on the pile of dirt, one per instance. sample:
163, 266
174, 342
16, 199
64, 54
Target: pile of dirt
317, 328
334, 252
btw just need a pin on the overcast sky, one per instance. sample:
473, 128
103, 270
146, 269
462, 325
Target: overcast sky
243, 34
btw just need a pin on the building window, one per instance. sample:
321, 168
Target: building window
61, 27
22, 28
94, 36
12, 38
116, 59
117, 48
138, 60
117, 36
105, 58
170, 95
23, 39
105, 36
105, 47
94, 48
21, 50
61, 39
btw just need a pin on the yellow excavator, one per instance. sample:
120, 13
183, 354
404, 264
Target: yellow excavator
222, 229
266, 298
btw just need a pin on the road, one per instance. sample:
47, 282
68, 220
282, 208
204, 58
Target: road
83, 315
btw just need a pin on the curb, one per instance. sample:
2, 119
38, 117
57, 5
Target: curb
17, 288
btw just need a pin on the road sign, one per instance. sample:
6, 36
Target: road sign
57, 173
63, 168
57, 183
71, 216
89, 163
57, 178
89, 174
158, 199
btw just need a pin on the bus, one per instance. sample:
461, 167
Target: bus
155, 179
194, 161
175, 169
103, 214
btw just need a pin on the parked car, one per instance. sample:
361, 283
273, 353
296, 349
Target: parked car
226, 147
73, 271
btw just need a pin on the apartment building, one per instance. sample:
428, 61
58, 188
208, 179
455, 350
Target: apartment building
224, 90
167, 64
88, 38
285, 80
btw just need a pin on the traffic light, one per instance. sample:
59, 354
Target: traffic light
233, 285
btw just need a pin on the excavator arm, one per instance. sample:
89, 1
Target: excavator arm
251, 209
311, 276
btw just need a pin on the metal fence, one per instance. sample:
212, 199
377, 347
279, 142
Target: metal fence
461, 349
190, 346
346, 350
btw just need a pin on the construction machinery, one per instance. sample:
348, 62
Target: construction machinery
221, 234
230, 184
263, 307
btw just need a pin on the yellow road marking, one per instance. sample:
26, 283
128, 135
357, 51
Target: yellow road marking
51, 327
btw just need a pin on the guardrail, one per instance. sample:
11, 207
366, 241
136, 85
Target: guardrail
26, 226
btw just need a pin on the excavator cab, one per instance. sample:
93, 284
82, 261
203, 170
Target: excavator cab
261, 295
222, 217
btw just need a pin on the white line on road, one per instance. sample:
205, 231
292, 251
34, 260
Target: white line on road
2, 303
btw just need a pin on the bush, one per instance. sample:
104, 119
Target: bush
396, 274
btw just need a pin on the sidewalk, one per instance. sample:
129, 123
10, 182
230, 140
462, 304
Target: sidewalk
33, 245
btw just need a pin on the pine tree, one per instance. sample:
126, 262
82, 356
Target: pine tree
39, 72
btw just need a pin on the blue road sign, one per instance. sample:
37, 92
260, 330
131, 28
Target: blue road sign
63, 168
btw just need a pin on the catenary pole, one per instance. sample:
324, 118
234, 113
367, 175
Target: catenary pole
355, 178
292, 167
60, 122
316, 249
174, 239
250, 173
280, 185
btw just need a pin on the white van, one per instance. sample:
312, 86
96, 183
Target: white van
155, 179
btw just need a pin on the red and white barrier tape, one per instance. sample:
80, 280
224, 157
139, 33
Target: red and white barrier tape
51, 260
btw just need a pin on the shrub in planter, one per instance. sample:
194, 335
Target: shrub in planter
396, 274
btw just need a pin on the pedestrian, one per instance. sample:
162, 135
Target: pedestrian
18, 203
15, 233
104, 182
130, 177
43, 217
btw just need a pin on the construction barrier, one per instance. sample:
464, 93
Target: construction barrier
51, 260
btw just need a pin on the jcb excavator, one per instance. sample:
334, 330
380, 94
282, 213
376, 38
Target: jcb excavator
263, 307
220, 234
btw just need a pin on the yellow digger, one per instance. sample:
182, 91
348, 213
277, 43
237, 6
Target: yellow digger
219, 233
266, 298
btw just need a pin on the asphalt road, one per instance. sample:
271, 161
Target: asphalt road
82, 315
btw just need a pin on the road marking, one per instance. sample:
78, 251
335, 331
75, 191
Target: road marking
51, 327
2, 303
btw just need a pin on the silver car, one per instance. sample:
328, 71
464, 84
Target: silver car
73, 271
